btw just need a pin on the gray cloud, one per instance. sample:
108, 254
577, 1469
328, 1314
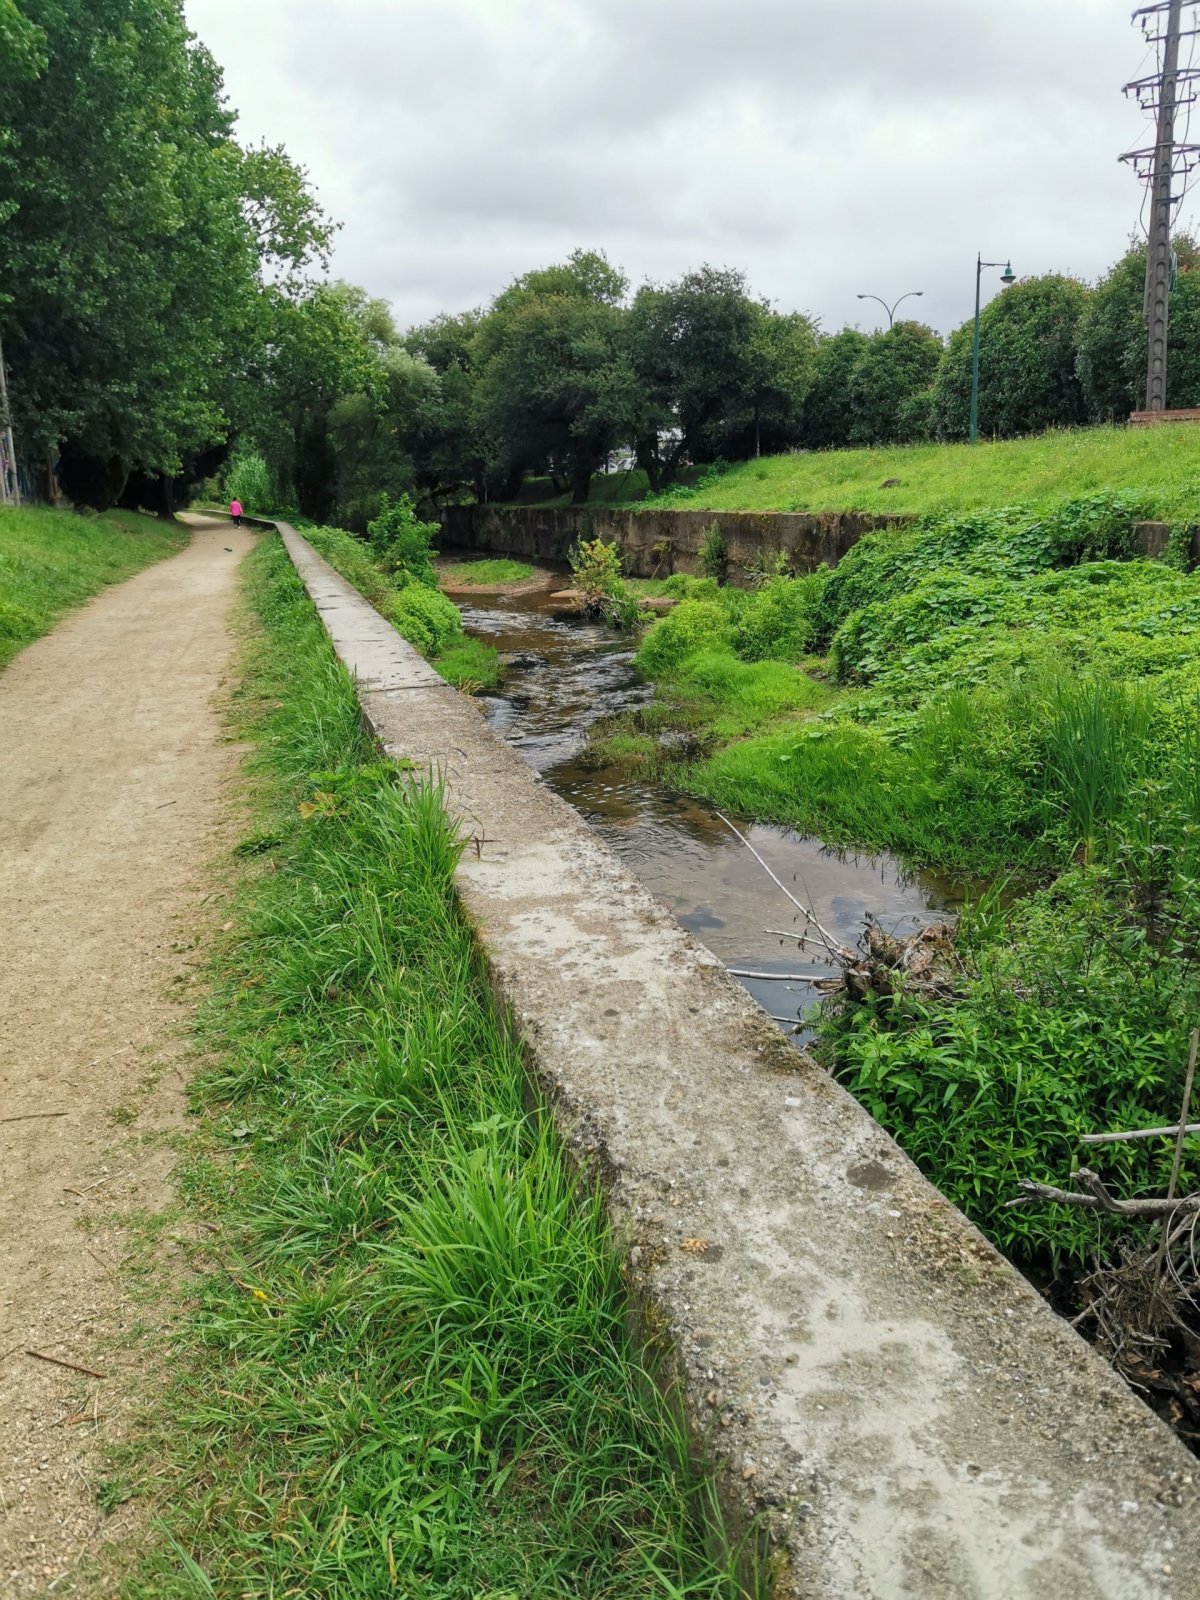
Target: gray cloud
824, 148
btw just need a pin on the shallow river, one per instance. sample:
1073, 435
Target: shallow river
561, 676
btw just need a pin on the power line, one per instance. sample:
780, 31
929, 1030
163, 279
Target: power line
1158, 165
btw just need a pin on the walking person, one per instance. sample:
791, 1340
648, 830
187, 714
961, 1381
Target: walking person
235, 511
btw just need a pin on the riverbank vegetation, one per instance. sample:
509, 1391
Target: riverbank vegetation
393, 568
485, 572
405, 1365
1012, 696
51, 561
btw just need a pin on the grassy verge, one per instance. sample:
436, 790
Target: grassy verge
53, 560
486, 570
1038, 472
407, 1369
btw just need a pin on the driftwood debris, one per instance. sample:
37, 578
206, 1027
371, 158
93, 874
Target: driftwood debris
1092, 1195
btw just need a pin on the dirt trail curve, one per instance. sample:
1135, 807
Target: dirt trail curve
112, 780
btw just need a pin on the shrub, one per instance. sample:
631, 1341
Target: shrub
401, 542
693, 625
714, 555
248, 479
426, 618
777, 621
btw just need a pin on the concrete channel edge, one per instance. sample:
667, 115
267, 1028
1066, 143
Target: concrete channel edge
888, 1401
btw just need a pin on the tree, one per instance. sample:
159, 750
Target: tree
891, 369
1027, 362
22, 45
132, 271
556, 385
698, 350
1111, 337
452, 450
827, 414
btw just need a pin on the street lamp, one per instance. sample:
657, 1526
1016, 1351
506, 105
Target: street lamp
891, 310
1006, 277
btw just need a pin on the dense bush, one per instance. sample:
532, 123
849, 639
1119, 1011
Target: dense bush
426, 618
1027, 363
777, 622
694, 625
248, 479
402, 543
891, 369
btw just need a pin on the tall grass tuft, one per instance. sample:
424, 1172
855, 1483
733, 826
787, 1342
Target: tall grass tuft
408, 1370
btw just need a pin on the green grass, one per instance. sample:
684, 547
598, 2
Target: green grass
428, 619
407, 1368
487, 571
1161, 462
51, 561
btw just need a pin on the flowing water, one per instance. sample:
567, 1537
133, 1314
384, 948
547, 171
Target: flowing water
561, 676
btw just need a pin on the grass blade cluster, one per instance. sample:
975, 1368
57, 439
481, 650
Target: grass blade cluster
407, 1371
53, 560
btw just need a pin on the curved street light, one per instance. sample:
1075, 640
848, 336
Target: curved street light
891, 310
1006, 277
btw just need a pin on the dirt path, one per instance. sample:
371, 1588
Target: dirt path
112, 780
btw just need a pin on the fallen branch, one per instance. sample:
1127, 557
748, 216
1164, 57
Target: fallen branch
71, 1366
35, 1116
1140, 1133
836, 948
1093, 1196
772, 977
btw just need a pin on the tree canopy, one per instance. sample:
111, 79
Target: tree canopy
136, 239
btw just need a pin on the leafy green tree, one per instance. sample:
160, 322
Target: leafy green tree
22, 44
453, 453
703, 358
556, 385
827, 414
1111, 337
1027, 362
132, 269
891, 369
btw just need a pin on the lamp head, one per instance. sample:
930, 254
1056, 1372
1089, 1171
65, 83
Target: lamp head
1008, 275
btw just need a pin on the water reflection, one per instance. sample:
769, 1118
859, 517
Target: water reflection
562, 676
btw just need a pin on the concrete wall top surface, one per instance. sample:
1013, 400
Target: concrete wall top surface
899, 1405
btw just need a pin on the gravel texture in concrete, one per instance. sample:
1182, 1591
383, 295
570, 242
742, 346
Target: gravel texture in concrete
898, 1406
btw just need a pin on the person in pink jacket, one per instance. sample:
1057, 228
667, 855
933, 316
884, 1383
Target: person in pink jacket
235, 511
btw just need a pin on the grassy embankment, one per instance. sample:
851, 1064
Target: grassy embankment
1162, 463
51, 561
995, 693
406, 1368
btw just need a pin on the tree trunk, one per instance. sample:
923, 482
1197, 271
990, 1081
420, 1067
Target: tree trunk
581, 483
166, 504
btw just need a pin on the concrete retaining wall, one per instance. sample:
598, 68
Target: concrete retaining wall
895, 1401
657, 543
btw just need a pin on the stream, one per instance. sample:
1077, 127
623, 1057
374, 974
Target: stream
562, 675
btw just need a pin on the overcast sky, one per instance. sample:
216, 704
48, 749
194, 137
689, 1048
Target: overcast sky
826, 149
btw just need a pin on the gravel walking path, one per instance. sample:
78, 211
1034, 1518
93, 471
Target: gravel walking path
113, 792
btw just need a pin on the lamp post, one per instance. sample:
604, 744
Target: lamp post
891, 310
1006, 277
